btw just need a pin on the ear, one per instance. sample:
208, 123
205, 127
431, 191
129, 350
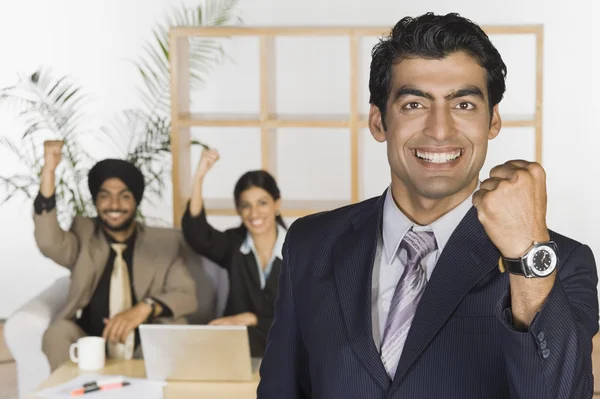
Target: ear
278, 205
495, 124
376, 124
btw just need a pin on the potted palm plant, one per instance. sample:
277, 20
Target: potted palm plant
52, 107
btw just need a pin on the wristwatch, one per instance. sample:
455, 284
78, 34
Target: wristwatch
152, 303
540, 260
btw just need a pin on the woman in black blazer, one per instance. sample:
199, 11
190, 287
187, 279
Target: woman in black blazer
251, 253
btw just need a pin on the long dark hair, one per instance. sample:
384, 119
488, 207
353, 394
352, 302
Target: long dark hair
261, 179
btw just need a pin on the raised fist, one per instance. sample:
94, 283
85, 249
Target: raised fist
52, 154
511, 206
207, 160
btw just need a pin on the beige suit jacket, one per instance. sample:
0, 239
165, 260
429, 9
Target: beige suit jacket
159, 270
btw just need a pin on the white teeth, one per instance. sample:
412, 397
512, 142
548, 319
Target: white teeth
438, 157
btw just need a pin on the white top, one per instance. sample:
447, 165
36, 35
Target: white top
248, 245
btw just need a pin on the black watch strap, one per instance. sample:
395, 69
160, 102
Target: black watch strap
513, 266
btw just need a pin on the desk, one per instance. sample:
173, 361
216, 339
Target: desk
216, 390
173, 390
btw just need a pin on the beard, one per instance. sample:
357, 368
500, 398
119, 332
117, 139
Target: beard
126, 224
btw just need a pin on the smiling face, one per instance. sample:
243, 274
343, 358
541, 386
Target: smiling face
437, 126
116, 205
258, 210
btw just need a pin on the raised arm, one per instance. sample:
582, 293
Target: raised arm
55, 243
199, 234
207, 160
550, 321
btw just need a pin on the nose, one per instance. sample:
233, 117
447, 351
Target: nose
114, 203
439, 123
253, 211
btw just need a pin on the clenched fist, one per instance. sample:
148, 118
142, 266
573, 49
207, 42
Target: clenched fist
52, 154
511, 206
207, 160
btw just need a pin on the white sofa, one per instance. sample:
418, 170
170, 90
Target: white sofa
25, 328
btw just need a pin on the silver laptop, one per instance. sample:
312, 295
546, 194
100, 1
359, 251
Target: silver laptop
197, 353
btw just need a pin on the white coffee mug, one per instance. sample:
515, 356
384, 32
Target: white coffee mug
91, 353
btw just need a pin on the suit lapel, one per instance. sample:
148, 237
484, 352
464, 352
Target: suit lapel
99, 252
143, 256
253, 266
273, 280
468, 257
353, 264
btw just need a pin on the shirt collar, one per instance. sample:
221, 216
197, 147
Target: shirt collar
248, 243
396, 224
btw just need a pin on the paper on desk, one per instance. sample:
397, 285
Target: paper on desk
139, 388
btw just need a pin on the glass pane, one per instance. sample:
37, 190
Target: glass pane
312, 75
313, 164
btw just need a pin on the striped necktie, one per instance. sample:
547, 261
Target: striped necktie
406, 297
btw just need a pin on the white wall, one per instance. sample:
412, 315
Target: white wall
90, 40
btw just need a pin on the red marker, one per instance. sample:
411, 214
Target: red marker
109, 387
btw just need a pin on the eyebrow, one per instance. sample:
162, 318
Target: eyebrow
466, 92
125, 190
414, 91
263, 198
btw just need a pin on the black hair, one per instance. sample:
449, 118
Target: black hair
261, 179
433, 36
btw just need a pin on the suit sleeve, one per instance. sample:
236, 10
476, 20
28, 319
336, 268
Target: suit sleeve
179, 292
554, 358
205, 239
53, 242
284, 369
260, 331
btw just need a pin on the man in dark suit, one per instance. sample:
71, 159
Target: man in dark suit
445, 286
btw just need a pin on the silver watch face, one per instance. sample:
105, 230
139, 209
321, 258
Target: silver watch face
542, 260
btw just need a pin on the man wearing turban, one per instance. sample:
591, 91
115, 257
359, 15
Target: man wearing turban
123, 273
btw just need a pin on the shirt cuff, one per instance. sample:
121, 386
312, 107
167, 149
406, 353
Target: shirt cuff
41, 203
166, 311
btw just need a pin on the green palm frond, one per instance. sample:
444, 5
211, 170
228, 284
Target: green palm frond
204, 54
46, 104
145, 142
17, 184
144, 133
21, 183
221, 13
50, 107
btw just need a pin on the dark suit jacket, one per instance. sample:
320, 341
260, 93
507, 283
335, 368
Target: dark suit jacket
245, 293
460, 344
